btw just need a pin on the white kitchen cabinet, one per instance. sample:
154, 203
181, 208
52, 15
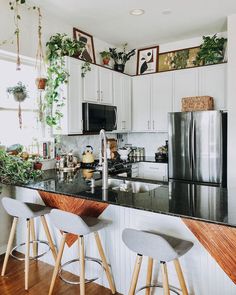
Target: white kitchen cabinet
97, 85
185, 84
71, 122
212, 82
162, 94
122, 99
141, 103
152, 171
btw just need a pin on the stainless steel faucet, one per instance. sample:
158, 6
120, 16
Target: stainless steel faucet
103, 159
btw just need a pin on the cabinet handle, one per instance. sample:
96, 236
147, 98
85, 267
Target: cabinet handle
153, 124
98, 95
148, 125
101, 95
124, 125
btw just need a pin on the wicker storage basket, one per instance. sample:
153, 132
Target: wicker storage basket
197, 103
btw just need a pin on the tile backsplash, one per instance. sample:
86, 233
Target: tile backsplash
150, 141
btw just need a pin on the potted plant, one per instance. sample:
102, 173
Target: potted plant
58, 46
106, 56
121, 57
211, 51
19, 93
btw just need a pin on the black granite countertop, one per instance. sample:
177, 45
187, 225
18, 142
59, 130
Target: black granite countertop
204, 203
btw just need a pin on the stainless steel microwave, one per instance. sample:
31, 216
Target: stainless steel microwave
97, 117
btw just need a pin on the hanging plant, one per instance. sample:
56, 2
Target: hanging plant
86, 67
15, 6
19, 93
211, 51
58, 46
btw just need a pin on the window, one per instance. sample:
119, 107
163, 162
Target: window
10, 131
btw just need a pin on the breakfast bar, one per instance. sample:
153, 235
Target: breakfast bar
201, 214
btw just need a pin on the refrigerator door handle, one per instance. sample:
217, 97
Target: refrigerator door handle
193, 139
190, 145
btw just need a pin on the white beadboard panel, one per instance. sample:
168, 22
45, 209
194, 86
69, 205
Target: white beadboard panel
203, 275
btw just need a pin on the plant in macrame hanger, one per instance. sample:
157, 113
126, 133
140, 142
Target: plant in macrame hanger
15, 7
19, 93
40, 67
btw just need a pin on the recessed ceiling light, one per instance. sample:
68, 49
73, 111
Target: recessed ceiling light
166, 11
136, 12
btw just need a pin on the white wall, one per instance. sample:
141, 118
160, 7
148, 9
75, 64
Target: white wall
28, 30
231, 100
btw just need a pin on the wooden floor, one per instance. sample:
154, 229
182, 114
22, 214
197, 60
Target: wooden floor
39, 281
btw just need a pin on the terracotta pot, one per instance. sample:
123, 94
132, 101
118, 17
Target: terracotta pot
41, 83
119, 68
106, 61
38, 166
20, 96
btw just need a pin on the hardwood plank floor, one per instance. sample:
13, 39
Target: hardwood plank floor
39, 281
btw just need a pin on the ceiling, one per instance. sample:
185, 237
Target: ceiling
109, 20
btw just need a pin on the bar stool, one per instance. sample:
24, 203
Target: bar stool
79, 225
160, 247
29, 212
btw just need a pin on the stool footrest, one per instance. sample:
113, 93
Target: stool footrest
32, 257
173, 289
87, 258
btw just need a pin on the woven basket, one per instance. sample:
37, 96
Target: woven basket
197, 103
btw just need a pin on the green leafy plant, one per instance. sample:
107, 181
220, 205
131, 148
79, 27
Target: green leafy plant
180, 59
211, 51
58, 46
19, 88
15, 170
105, 54
86, 67
121, 57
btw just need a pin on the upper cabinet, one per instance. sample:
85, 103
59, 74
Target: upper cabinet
212, 82
162, 93
97, 85
71, 122
141, 103
185, 84
122, 99
202, 81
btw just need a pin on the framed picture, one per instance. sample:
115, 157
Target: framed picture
147, 60
88, 53
178, 59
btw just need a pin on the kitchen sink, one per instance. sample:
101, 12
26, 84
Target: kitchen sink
129, 186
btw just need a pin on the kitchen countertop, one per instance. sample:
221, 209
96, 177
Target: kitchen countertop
204, 203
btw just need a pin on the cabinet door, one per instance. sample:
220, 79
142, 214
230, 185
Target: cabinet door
75, 122
141, 117
91, 85
212, 82
126, 103
185, 84
118, 98
105, 77
162, 95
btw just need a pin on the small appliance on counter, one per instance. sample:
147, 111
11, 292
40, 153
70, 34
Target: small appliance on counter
161, 156
67, 162
88, 157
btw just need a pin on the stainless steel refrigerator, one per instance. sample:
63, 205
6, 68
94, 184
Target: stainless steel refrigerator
198, 147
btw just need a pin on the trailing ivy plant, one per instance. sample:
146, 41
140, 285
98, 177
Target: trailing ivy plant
211, 51
58, 46
15, 170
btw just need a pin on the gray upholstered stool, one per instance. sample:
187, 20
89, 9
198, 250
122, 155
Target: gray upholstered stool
27, 211
71, 223
160, 247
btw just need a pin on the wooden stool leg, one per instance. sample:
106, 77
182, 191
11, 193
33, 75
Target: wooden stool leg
165, 279
180, 277
58, 262
49, 237
27, 252
33, 236
134, 281
149, 275
9, 245
82, 265
105, 264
